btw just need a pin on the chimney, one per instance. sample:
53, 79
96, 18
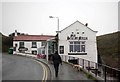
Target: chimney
86, 24
15, 32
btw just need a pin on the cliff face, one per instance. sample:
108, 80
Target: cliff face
109, 48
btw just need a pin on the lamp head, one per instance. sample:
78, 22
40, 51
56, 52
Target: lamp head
51, 17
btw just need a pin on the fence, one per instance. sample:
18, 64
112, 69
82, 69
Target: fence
100, 71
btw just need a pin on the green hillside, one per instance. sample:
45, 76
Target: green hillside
6, 42
0, 42
109, 48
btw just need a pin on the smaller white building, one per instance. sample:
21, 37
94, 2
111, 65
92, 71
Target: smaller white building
34, 44
78, 40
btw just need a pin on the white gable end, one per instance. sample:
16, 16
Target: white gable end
80, 33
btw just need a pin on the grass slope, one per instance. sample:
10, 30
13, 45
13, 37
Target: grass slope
5, 42
109, 48
0, 42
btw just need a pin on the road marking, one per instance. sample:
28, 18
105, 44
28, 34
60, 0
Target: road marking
45, 75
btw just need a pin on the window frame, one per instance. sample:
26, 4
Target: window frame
21, 44
43, 43
61, 49
34, 44
79, 50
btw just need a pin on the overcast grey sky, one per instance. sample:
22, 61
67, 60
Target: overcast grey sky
32, 16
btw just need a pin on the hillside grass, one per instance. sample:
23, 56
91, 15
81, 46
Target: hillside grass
5, 43
108, 48
0, 42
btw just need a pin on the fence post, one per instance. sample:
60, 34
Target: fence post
83, 63
65, 58
96, 67
105, 74
88, 66
118, 76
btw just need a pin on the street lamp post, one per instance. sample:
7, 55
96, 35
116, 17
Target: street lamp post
57, 21
57, 30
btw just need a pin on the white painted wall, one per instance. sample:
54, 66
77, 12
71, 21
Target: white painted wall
27, 44
91, 47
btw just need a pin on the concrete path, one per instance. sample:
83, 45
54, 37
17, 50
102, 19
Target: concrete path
66, 72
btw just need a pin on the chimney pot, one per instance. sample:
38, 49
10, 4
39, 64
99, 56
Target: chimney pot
86, 24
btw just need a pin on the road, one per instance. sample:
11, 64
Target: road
21, 68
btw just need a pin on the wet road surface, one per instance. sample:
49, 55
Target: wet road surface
20, 68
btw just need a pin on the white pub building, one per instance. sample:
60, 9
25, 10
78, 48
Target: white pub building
76, 40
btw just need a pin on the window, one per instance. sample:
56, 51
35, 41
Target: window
77, 46
43, 51
16, 45
21, 44
34, 45
61, 49
43, 43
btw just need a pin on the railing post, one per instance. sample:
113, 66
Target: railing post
118, 76
65, 58
96, 67
88, 66
79, 61
105, 73
83, 63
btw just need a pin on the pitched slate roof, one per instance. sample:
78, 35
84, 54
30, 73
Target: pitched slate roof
32, 37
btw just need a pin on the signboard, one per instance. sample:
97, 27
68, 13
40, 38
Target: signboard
77, 38
74, 37
23, 49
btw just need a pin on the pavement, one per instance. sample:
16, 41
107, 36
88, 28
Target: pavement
66, 72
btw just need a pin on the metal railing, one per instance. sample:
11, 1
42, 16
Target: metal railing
100, 71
